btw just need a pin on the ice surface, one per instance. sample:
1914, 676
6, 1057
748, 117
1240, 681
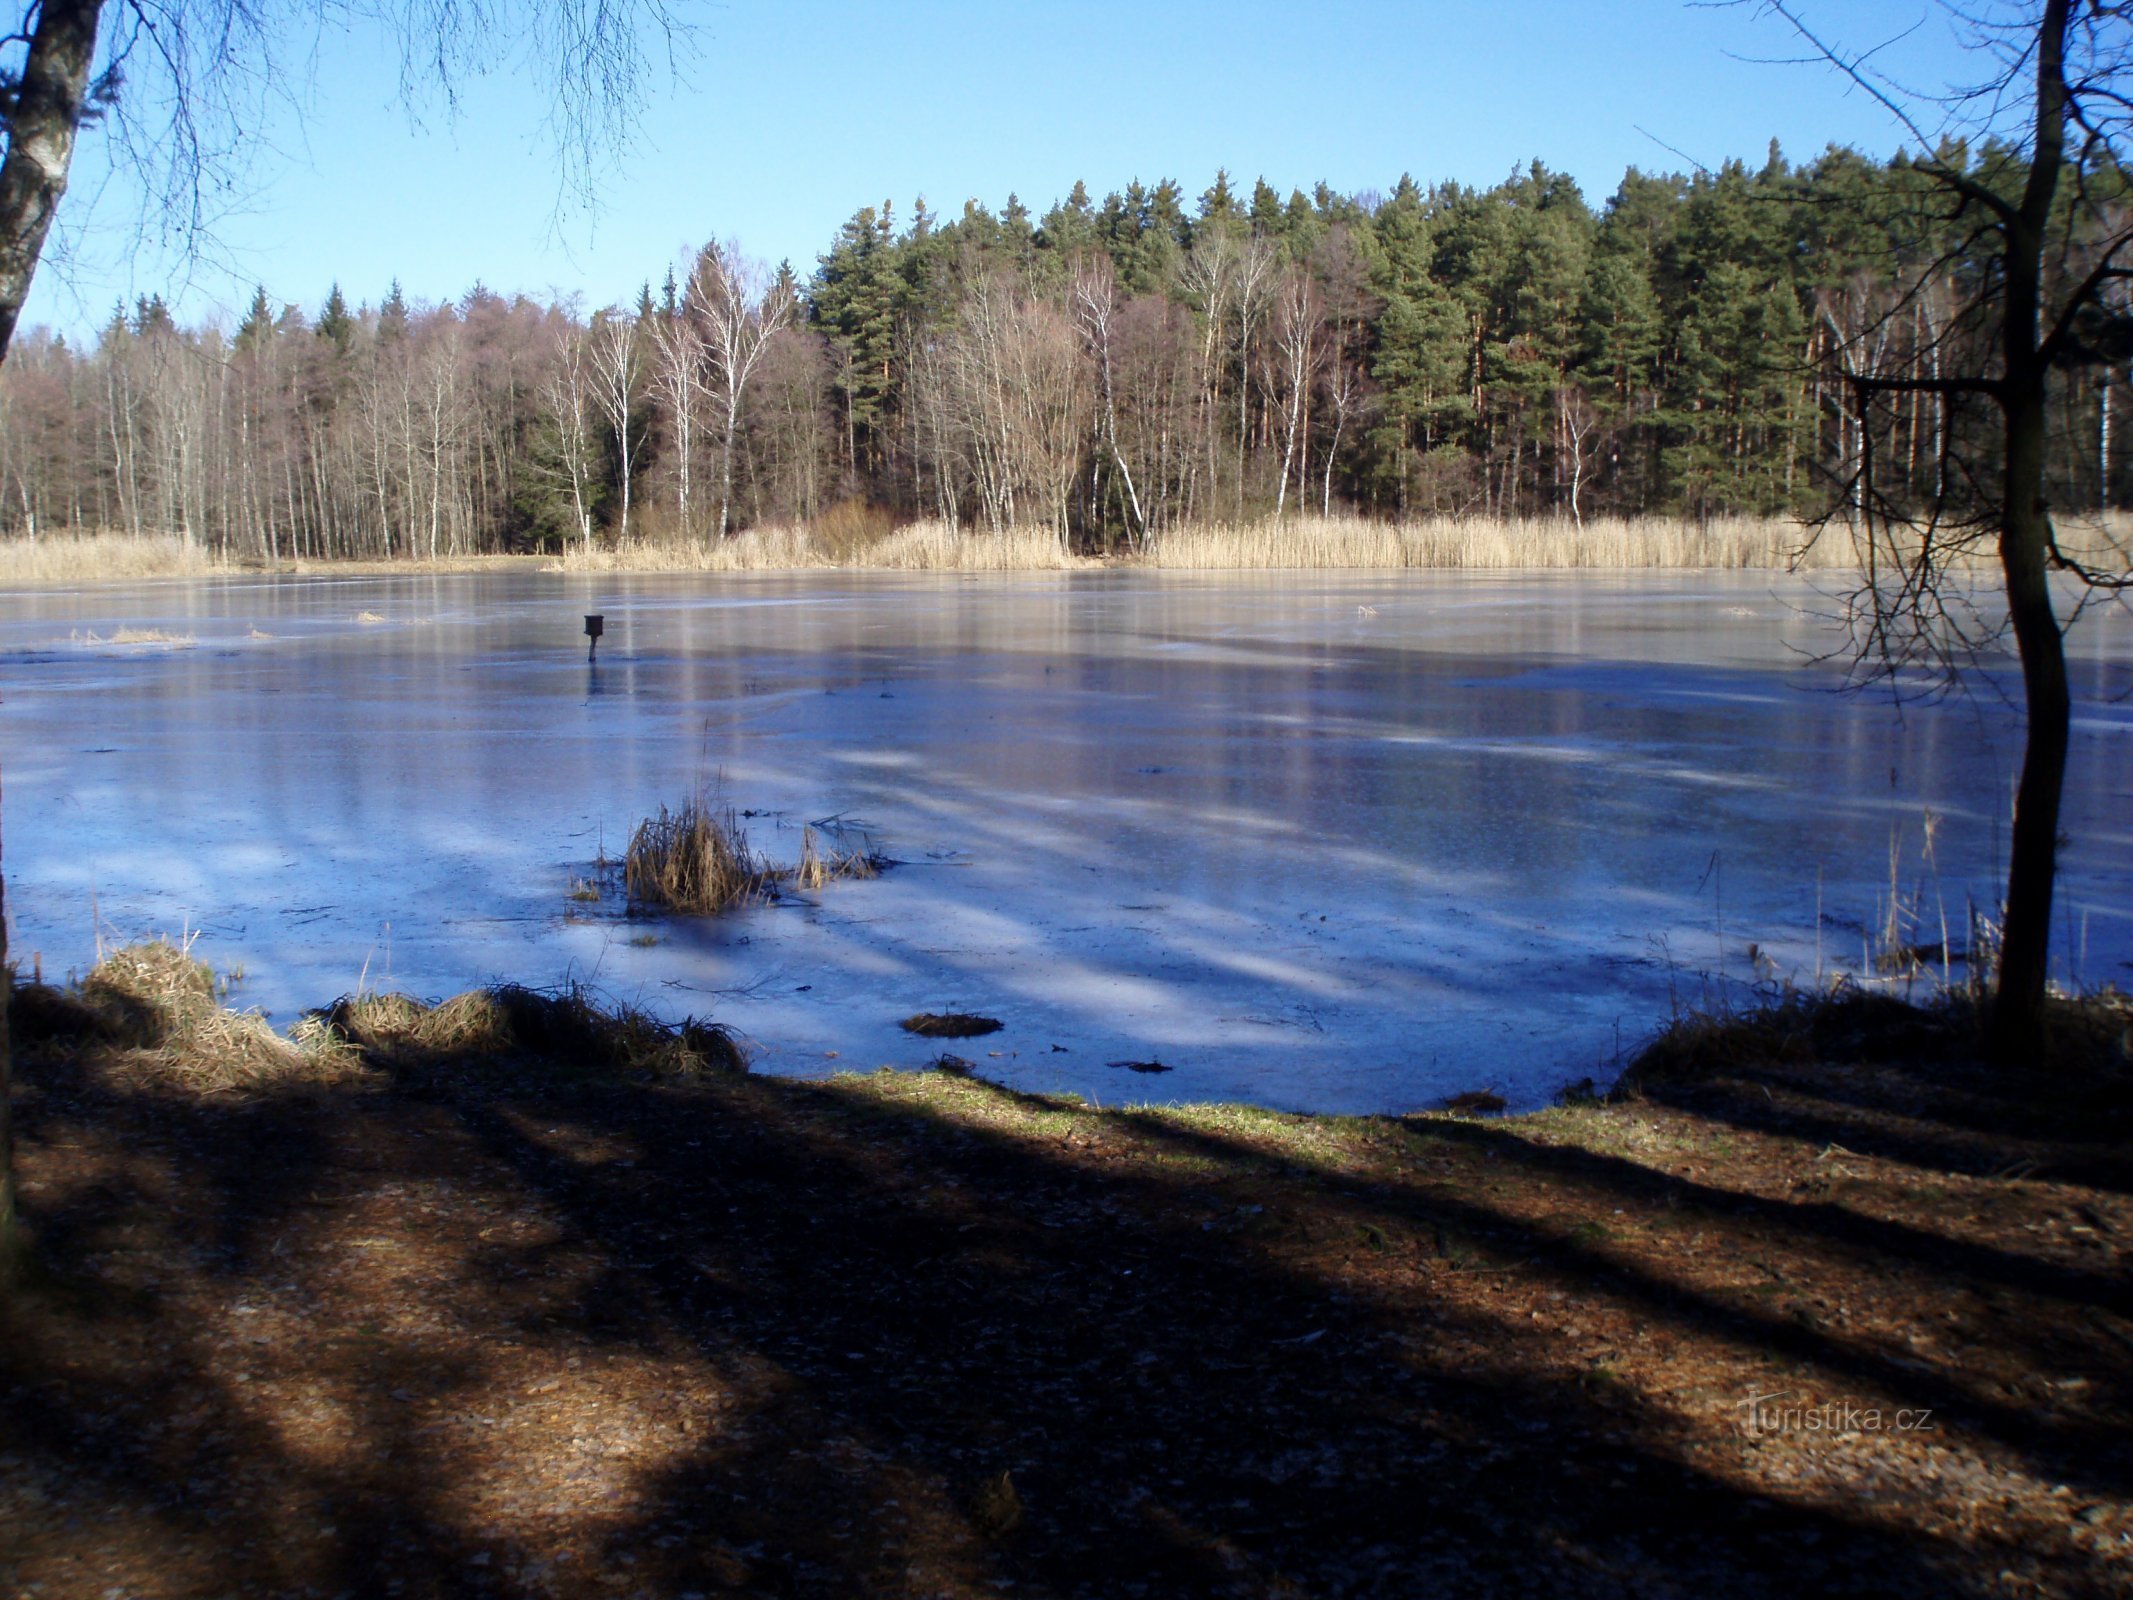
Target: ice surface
1344, 842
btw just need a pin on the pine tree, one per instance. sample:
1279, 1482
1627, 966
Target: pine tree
335, 325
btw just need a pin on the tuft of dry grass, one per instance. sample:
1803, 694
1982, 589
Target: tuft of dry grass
568, 1026
697, 861
818, 868
149, 1013
694, 860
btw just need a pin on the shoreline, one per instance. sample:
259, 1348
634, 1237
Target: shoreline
1317, 544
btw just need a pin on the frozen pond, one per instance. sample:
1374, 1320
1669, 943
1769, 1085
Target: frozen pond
1349, 842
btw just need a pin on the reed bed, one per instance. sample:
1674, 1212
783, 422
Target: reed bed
781, 548
1496, 544
85, 558
863, 538
1339, 543
944, 547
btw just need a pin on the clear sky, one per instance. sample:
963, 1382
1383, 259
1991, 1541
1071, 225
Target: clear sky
794, 114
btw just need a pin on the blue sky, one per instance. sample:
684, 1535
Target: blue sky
793, 115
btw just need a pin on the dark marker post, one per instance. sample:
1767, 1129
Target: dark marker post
594, 627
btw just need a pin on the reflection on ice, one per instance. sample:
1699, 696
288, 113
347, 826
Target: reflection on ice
1345, 841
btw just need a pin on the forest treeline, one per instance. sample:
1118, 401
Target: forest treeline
1107, 370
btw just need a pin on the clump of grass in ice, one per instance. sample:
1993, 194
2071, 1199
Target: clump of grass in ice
694, 860
819, 868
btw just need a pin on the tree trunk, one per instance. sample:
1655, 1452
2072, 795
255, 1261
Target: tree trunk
41, 127
2017, 1026
9, 1240
2016, 1030
47, 111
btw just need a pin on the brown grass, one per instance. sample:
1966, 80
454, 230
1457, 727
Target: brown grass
697, 861
92, 557
818, 869
1494, 544
856, 535
773, 549
857, 538
508, 1020
149, 1013
943, 547
694, 860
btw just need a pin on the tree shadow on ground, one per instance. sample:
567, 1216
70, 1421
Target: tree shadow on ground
472, 1326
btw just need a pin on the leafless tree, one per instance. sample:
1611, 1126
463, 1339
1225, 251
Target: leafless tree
677, 356
571, 392
2049, 128
1576, 426
616, 353
1095, 293
1299, 319
738, 308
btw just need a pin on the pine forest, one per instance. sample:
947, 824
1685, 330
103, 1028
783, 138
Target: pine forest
1105, 373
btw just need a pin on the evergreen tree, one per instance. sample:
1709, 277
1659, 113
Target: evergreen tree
335, 325
258, 325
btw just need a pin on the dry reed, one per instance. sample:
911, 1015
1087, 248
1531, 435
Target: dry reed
818, 869
772, 549
149, 1013
694, 860
944, 547
568, 1027
85, 558
1337, 543
1495, 544
861, 537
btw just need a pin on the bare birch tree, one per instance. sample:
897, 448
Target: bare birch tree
1299, 320
1095, 293
738, 308
677, 356
614, 355
570, 394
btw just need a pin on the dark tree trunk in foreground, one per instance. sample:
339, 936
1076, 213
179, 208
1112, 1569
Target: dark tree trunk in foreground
2053, 306
41, 126
2016, 1030
40, 144
2017, 1025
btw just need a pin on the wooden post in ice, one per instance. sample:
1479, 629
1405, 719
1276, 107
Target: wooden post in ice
594, 627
